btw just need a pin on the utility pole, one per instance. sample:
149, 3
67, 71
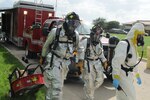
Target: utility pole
56, 8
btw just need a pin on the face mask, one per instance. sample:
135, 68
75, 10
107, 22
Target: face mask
95, 39
73, 23
140, 40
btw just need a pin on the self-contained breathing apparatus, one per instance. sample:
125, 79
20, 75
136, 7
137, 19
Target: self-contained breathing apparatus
56, 42
69, 32
140, 42
96, 33
94, 40
113, 41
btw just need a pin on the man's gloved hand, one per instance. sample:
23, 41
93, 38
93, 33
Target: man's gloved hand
139, 81
80, 64
116, 81
42, 60
105, 64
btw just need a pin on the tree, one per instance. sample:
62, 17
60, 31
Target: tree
113, 24
100, 21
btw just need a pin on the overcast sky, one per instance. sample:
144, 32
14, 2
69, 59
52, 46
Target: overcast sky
88, 10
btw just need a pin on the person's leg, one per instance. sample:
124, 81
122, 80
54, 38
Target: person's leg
88, 84
53, 81
127, 86
48, 80
57, 84
99, 75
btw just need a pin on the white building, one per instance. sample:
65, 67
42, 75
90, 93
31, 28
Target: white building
145, 22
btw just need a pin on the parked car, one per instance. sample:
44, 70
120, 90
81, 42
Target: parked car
146, 34
117, 31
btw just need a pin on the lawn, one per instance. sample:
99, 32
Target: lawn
146, 39
7, 64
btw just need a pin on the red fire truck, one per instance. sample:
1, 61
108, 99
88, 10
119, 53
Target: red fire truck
23, 23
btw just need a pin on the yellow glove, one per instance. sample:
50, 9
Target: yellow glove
105, 65
75, 52
80, 64
42, 60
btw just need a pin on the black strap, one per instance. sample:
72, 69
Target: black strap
88, 42
127, 69
88, 65
92, 59
56, 38
55, 44
87, 53
128, 48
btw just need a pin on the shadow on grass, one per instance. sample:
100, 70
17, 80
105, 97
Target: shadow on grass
11, 60
36, 94
24, 97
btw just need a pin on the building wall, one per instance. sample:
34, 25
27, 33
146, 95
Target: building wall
127, 26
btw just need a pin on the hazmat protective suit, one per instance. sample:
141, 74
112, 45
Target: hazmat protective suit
58, 58
121, 60
92, 73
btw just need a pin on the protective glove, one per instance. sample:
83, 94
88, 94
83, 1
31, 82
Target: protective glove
116, 81
139, 81
42, 60
80, 64
74, 56
105, 65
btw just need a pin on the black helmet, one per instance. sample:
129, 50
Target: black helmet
72, 16
72, 21
97, 27
95, 34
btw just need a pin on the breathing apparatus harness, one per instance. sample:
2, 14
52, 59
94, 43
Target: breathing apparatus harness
56, 42
140, 42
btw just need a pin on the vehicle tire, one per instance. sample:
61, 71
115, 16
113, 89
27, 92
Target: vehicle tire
11, 94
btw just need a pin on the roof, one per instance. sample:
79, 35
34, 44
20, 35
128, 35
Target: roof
5, 9
145, 22
30, 5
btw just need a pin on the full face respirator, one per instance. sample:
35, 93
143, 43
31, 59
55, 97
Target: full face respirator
140, 40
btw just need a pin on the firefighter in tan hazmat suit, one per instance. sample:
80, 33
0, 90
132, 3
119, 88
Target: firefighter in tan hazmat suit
91, 53
58, 58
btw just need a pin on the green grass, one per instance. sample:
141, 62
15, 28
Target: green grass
7, 64
146, 40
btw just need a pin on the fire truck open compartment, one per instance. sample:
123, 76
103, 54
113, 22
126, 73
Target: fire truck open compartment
19, 23
6, 22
